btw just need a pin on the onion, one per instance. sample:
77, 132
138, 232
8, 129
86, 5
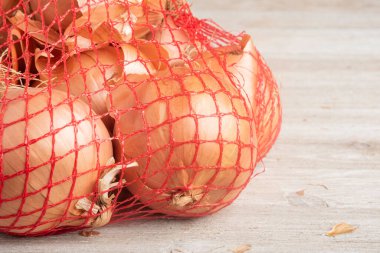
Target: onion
247, 69
53, 154
85, 75
60, 13
263, 93
193, 137
89, 74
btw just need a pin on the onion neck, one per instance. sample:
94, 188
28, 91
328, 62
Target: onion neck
102, 208
186, 198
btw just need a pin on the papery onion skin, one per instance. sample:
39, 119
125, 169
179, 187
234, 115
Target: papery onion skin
63, 7
70, 148
195, 142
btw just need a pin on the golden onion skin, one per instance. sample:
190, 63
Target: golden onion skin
53, 153
246, 67
48, 10
194, 139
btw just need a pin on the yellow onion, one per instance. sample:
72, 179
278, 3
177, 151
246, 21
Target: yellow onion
85, 75
246, 68
253, 76
59, 13
89, 74
193, 137
53, 154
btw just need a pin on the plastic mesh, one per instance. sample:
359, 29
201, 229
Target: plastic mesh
120, 110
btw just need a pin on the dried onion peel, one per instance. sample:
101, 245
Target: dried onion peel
52, 156
193, 137
58, 14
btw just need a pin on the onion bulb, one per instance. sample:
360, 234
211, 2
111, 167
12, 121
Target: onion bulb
53, 153
102, 24
89, 75
86, 75
256, 79
193, 137
246, 68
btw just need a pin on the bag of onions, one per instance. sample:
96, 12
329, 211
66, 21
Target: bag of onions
125, 109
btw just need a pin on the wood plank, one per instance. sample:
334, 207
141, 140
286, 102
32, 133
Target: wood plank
326, 57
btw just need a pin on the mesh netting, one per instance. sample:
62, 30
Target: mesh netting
119, 110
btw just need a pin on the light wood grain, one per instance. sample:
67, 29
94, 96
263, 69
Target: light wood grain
326, 56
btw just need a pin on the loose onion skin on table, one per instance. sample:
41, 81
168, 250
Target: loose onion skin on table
53, 154
194, 139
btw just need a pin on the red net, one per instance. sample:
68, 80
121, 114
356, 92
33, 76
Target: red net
117, 110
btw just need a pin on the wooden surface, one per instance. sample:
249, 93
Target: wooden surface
326, 56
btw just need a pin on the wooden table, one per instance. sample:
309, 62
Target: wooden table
326, 56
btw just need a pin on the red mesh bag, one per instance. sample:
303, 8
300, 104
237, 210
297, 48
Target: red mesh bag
119, 110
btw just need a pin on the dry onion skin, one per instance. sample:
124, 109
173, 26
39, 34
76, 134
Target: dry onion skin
59, 14
52, 157
175, 40
90, 74
117, 21
257, 80
193, 137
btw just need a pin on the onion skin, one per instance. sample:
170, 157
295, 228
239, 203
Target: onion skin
63, 8
28, 206
258, 82
247, 69
184, 171
88, 72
